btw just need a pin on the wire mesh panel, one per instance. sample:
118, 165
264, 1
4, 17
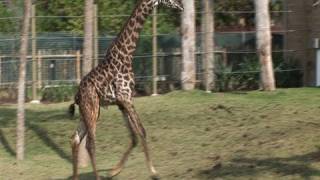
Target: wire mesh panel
236, 62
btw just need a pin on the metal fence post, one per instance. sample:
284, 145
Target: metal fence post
34, 48
78, 63
154, 54
39, 58
95, 36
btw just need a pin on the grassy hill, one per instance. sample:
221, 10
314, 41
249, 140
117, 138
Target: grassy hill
192, 135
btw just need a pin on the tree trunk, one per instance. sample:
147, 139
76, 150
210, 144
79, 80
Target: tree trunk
208, 44
154, 52
88, 37
21, 85
264, 44
87, 65
188, 74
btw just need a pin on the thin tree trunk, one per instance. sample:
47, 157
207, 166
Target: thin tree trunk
21, 85
264, 44
188, 74
208, 44
154, 53
87, 65
88, 37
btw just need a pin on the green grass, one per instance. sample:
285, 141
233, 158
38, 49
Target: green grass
192, 135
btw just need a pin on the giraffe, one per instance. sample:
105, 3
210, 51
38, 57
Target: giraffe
112, 82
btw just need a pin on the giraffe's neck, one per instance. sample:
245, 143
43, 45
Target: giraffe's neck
126, 41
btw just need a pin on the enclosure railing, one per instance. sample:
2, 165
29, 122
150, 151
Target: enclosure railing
55, 58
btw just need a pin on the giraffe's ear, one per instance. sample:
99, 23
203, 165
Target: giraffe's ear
173, 4
155, 2
179, 4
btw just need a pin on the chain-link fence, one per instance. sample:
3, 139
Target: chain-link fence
57, 58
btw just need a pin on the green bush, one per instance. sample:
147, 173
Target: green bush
289, 74
8, 95
223, 77
243, 76
58, 93
246, 74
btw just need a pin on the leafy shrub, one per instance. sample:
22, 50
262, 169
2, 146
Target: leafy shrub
223, 77
243, 76
288, 74
58, 93
8, 95
246, 75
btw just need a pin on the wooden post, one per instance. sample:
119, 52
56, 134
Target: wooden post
225, 57
78, 68
39, 57
154, 54
95, 36
64, 67
285, 21
34, 48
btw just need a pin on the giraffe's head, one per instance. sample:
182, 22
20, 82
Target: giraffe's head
176, 4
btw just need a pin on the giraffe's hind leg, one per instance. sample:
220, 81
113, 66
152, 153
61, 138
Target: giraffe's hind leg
133, 143
92, 152
139, 130
76, 139
90, 114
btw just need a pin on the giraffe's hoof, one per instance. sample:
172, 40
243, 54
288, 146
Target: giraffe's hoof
155, 177
114, 172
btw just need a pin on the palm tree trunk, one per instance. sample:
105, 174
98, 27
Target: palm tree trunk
21, 84
264, 44
88, 37
188, 74
208, 44
87, 65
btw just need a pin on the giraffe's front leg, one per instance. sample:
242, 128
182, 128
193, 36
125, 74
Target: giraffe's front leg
139, 130
133, 143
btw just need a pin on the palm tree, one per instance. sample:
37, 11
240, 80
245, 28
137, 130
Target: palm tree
188, 74
21, 84
207, 21
264, 44
87, 63
88, 37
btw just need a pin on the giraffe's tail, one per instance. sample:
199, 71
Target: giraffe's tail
72, 109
